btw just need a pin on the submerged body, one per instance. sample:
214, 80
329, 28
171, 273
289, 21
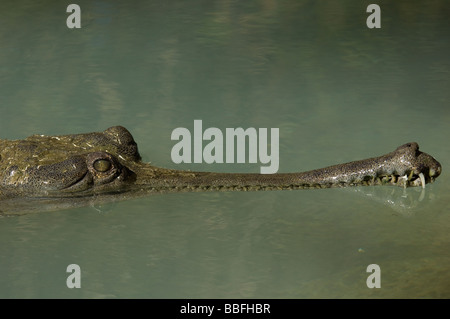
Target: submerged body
77, 168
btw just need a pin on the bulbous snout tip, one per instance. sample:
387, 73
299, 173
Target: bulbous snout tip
429, 166
435, 171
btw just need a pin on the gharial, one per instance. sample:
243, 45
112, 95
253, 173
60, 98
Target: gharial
74, 170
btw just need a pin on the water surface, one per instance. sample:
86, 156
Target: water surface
337, 91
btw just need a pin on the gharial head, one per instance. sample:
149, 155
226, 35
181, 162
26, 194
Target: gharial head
59, 166
108, 163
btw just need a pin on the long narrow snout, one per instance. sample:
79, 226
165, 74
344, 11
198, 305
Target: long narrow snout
405, 167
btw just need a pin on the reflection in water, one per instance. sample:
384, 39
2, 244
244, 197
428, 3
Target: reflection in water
402, 201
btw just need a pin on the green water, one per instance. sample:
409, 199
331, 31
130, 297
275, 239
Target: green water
337, 91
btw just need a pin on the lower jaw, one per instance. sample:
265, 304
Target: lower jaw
402, 181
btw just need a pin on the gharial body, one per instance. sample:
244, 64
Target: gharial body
108, 164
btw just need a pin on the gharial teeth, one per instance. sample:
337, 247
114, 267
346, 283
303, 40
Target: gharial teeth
422, 179
403, 178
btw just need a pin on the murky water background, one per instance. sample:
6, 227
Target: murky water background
337, 91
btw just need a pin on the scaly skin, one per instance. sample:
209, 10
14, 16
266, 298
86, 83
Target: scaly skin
108, 164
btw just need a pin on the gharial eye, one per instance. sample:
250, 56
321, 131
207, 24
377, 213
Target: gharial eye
102, 165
